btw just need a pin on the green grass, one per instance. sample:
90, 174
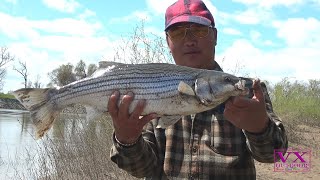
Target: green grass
6, 96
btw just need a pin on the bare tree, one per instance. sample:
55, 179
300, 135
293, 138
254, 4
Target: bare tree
36, 83
141, 47
23, 71
5, 58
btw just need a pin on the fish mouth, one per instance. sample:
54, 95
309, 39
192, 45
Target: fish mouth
241, 86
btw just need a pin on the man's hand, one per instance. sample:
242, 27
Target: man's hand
128, 127
248, 114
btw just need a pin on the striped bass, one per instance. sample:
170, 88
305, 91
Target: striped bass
170, 90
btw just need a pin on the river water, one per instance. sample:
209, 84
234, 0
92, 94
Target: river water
17, 143
19, 150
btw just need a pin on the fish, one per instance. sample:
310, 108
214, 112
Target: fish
170, 91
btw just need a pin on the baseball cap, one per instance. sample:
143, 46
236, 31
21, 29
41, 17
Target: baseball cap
188, 11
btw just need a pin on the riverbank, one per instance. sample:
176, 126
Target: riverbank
7, 103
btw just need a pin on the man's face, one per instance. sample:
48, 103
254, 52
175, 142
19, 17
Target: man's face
191, 50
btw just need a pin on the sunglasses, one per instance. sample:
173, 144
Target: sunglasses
178, 33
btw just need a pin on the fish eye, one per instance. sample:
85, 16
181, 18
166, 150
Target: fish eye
228, 79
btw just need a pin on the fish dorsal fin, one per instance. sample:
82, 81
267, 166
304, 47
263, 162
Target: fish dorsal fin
184, 88
166, 121
106, 64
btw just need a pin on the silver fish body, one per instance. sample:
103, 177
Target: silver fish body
169, 90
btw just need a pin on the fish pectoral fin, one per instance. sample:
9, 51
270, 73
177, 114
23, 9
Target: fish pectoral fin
93, 113
166, 121
184, 88
203, 91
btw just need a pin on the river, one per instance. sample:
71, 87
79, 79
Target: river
19, 151
18, 147
15, 141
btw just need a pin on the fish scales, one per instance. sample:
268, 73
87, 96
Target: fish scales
149, 83
152, 83
169, 90
139, 87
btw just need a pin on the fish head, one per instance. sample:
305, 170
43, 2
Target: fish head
216, 87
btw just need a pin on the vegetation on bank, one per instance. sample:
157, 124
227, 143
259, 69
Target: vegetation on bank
6, 96
297, 100
297, 104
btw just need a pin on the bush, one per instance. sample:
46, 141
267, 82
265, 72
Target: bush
6, 96
298, 100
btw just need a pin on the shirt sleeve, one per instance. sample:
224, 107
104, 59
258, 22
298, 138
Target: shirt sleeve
262, 145
139, 159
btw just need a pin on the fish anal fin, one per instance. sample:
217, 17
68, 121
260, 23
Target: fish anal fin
166, 121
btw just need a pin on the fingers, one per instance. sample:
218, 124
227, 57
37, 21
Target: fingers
122, 113
257, 90
112, 104
238, 103
124, 105
123, 109
138, 109
243, 102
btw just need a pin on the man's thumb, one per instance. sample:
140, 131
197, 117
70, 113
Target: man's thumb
257, 90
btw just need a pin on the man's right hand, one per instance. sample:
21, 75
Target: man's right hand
128, 127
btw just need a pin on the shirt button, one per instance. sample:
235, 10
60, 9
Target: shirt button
195, 149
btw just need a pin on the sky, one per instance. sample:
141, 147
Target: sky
266, 39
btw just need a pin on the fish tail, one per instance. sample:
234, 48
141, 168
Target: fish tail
37, 101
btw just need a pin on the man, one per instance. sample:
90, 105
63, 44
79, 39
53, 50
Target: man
217, 144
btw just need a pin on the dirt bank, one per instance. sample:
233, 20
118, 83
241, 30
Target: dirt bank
6, 103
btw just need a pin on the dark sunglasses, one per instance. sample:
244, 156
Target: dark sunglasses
178, 33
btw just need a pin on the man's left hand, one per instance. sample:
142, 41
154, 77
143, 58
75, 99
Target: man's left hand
248, 114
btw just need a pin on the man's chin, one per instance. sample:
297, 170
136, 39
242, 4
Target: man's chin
193, 65
197, 64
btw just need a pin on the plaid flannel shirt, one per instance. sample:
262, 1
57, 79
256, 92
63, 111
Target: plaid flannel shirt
201, 146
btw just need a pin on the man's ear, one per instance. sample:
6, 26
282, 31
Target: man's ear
167, 39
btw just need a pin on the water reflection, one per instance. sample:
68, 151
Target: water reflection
73, 149
15, 129
18, 147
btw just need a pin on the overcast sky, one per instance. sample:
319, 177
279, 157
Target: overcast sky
268, 39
